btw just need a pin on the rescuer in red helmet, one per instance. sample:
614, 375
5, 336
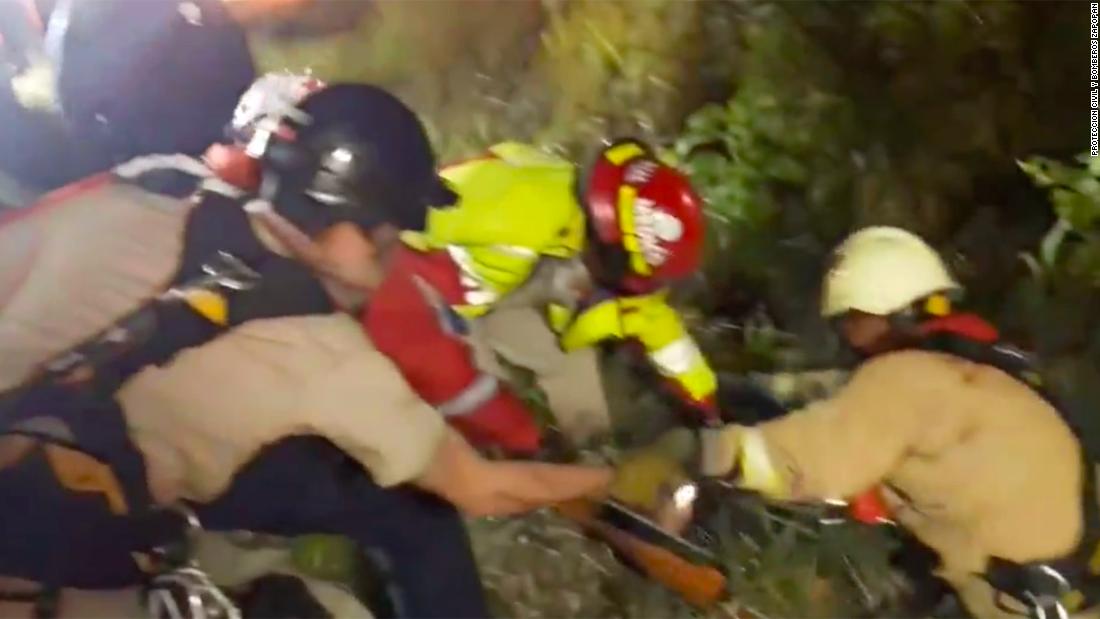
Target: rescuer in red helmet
537, 261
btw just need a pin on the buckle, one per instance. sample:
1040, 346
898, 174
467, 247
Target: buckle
228, 271
1046, 607
188, 593
181, 589
224, 270
177, 553
1045, 589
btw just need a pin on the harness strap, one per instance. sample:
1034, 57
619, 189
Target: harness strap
85, 447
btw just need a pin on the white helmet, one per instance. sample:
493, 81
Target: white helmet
273, 96
883, 270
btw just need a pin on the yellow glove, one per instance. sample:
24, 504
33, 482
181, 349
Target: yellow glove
647, 477
719, 448
740, 452
804, 386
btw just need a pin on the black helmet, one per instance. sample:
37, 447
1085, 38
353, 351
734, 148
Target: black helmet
351, 152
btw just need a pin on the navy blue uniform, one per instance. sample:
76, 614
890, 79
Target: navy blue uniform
307, 485
149, 76
134, 77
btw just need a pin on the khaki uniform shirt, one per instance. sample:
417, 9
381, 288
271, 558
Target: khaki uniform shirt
199, 419
979, 464
106, 248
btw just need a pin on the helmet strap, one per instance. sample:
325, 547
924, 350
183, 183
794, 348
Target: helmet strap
610, 263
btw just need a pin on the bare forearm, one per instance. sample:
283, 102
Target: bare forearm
483, 488
524, 486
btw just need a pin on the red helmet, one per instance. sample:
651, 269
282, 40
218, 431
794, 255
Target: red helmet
645, 221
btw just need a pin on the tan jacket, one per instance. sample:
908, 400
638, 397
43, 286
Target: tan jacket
980, 465
209, 411
105, 247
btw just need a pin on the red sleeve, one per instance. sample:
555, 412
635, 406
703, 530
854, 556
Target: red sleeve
421, 337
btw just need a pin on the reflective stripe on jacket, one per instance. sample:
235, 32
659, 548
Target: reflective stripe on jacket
652, 322
410, 319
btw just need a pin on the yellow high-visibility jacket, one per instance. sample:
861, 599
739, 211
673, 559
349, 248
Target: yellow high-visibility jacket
518, 205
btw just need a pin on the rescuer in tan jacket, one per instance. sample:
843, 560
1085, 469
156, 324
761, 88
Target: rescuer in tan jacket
971, 460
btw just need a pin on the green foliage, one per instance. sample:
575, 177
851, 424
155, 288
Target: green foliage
564, 74
788, 563
1072, 246
1057, 306
613, 67
460, 69
774, 132
1054, 308
853, 114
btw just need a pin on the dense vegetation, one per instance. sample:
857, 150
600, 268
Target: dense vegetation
799, 121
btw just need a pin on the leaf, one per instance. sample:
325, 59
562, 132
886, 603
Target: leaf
706, 123
788, 170
1052, 240
1088, 186
1076, 208
1034, 268
1035, 168
1084, 262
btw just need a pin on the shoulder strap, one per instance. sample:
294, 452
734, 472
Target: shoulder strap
1005, 357
969, 337
178, 176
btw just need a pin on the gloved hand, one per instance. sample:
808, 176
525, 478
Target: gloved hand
646, 477
740, 453
798, 387
719, 449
